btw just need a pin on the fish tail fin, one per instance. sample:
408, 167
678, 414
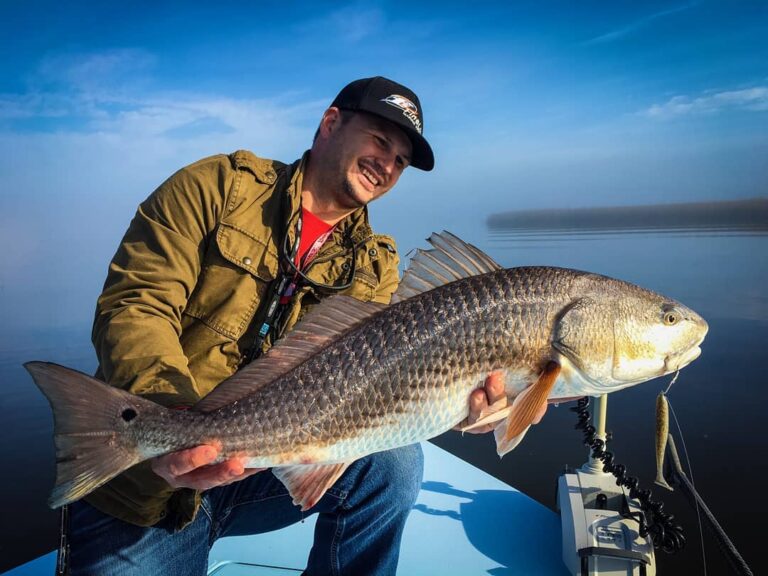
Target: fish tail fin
91, 421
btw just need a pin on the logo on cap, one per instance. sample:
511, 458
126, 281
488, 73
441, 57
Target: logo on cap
409, 109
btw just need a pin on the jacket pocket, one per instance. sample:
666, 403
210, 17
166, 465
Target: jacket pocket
236, 272
376, 276
367, 277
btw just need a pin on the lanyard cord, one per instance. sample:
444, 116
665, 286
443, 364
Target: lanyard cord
282, 288
266, 317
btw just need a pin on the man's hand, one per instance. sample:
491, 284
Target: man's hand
482, 398
193, 468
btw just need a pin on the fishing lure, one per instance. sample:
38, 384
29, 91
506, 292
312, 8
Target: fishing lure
662, 432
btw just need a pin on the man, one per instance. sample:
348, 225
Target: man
221, 260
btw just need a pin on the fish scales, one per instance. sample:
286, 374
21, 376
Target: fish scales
329, 394
411, 367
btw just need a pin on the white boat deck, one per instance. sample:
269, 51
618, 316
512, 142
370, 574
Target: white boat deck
465, 522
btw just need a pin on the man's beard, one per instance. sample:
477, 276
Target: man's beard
349, 198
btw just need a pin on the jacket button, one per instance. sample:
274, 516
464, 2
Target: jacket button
269, 176
247, 261
345, 266
372, 252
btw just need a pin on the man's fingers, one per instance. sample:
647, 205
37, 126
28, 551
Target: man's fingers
478, 401
494, 386
206, 477
492, 392
220, 474
247, 472
184, 461
192, 459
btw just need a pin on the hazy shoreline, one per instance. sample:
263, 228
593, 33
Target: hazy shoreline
730, 215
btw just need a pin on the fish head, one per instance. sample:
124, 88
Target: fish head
624, 335
654, 336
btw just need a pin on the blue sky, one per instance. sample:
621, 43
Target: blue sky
527, 105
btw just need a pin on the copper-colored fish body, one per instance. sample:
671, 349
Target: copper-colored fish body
354, 378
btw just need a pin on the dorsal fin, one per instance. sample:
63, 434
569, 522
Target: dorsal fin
451, 259
325, 322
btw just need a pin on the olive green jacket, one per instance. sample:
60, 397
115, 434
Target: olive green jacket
176, 312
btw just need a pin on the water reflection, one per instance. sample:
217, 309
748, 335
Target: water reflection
746, 217
718, 267
719, 400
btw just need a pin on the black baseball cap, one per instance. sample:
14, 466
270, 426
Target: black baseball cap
394, 102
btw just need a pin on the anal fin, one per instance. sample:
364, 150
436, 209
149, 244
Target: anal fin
308, 483
526, 406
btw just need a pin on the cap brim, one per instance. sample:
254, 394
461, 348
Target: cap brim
421, 155
421, 152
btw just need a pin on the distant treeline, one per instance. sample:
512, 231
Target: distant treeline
742, 215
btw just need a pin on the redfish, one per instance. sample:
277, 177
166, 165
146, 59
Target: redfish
354, 378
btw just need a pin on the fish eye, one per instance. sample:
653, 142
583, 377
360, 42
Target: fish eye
671, 318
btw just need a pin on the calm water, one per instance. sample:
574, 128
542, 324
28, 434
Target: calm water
718, 400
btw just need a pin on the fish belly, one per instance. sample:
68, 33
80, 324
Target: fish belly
413, 422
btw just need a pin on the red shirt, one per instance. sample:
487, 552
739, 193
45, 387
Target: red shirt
313, 230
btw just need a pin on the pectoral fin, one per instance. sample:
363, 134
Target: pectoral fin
493, 413
524, 409
308, 483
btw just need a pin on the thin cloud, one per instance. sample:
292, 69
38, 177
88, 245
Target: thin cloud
95, 70
106, 93
82, 86
636, 25
108, 148
751, 99
350, 24
34, 105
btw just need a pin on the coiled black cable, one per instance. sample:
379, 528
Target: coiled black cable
664, 533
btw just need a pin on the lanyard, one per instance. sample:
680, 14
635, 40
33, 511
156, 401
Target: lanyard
282, 289
278, 291
309, 255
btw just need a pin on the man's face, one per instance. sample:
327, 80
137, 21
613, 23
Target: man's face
368, 155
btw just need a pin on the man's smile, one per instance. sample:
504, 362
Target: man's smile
371, 174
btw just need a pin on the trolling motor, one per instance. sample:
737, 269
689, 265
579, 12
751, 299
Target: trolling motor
605, 530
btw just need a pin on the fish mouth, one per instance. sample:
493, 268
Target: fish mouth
675, 362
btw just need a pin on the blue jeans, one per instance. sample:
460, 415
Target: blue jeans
359, 526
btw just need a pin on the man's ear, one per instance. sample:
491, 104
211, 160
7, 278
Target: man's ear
331, 121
